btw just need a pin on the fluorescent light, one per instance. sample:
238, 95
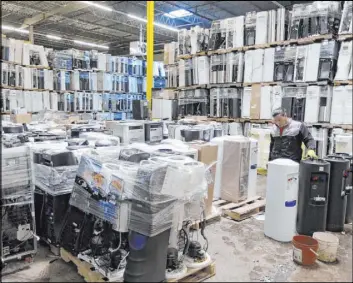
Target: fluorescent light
97, 5
178, 14
166, 27
137, 18
14, 29
53, 37
91, 44
156, 24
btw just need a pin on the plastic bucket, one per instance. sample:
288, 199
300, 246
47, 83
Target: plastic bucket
328, 245
304, 249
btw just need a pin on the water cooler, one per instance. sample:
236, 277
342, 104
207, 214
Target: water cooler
314, 178
281, 199
349, 210
338, 190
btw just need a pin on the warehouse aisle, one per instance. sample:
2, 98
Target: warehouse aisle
241, 251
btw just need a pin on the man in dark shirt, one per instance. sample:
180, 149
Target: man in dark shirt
287, 137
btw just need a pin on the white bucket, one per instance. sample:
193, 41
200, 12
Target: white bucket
328, 245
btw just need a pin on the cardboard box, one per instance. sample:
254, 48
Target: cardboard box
255, 104
207, 154
235, 170
21, 118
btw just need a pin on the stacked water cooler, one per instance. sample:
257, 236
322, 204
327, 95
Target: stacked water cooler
18, 232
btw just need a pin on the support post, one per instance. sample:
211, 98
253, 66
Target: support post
150, 45
31, 36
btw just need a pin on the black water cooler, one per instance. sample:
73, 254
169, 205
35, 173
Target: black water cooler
337, 204
314, 176
349, 210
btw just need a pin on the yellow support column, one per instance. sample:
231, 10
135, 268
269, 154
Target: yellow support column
150, 45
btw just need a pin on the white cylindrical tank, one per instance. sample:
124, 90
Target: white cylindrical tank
281, 199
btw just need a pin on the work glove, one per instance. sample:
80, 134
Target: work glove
311, 154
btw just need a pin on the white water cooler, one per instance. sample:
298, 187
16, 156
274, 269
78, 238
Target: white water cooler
281, 199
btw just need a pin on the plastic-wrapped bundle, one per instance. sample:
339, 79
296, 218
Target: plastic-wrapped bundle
346, 25
17, 173
100, 139
55, 169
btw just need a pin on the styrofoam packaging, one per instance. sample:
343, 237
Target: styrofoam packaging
248, 63
53, 101
246, 101
347, 118
203, 67
312, 104
27, 78
75, 80
312, 62
18, 51
48, 79
340, 104
301, 65
102, 62
257, 65
269, 56
239, 31
344, 63
261, 27
276, 99
181, 67
265, 105
46, 100
20, 99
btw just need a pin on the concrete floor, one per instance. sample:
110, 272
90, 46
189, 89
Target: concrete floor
240, 249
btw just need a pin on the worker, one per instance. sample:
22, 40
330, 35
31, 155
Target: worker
287, 136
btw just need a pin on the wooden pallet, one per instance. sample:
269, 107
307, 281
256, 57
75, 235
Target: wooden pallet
192, 87
224, 51
242, 210
86, 270
214, 217
343, 37
226, 85
346, 82
197, 275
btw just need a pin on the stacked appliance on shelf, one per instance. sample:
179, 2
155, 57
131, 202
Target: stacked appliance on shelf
18, 233
317, 18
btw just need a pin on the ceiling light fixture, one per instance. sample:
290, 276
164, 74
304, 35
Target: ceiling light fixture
53, 37
156, 24
90, 44
178, 14
97, 5
14, 29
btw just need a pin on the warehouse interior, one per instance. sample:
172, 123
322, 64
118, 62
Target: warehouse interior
176, 141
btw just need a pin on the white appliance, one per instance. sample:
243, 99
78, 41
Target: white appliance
268, 69
128, 132
235, 129
153, 131
312, 62
261, 27
318, 101
265, 105
246, 102
344, 62
281, 199
257, 65
263, 137
343, 143
232, 169
248, 69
